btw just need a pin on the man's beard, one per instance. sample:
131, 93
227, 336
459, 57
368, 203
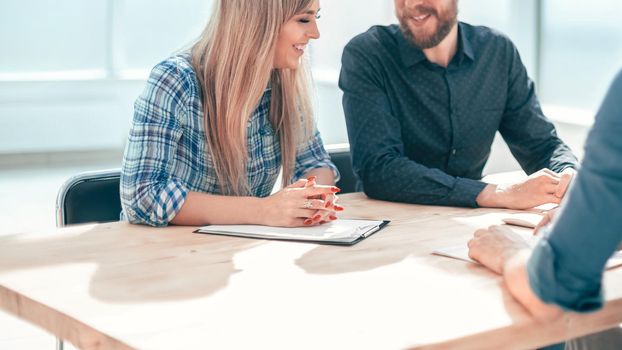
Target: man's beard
446, 22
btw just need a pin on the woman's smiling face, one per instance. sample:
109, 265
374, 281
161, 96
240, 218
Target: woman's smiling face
294, 37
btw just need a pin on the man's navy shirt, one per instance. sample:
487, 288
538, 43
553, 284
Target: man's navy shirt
422, 133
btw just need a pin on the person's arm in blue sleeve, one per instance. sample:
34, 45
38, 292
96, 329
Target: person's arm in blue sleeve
567, 266
565, 269
377, 148
531, 137
149, 193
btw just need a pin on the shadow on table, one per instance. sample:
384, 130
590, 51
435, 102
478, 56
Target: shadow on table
165, 264
416, 236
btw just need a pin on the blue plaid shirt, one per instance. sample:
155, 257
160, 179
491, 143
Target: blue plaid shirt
166, 152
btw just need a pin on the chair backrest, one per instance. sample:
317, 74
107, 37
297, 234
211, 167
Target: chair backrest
340, 156
89, 197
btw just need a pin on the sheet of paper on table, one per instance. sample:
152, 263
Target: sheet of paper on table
461, 252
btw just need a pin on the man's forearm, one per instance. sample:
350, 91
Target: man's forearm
404, 180
488, 197
517, 281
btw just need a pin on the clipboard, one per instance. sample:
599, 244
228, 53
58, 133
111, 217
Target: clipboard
342, 232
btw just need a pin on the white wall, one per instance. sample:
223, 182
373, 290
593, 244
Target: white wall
59, 116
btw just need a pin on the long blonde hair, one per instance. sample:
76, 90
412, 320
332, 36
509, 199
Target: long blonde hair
234, 60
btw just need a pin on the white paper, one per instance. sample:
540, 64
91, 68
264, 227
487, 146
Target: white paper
528, 220
461, 252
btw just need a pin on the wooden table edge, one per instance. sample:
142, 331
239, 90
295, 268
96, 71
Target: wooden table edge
57, 323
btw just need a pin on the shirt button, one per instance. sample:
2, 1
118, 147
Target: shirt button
453, 152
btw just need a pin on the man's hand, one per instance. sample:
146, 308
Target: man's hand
546, 219
545, 186
492, 247
505, 252
566, 177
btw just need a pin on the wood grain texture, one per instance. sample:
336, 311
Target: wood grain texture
122, 286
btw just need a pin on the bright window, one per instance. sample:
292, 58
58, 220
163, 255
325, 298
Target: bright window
148, 31
65, 35
582, 51
571, 50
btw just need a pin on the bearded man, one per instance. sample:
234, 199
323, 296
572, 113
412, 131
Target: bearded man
423, 101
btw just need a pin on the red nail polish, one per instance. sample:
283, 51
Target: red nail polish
317, 217
335, 189
339, 208
308, 222
327, 204
332, 217
311, 178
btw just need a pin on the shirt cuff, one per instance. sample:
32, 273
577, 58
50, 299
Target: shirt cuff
465, 192
161, 207
320, 165
549, 282
169, 202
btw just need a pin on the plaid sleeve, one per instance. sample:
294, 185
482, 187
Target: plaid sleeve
312, 155
150, 194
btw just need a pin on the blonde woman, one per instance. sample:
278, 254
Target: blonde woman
214, 126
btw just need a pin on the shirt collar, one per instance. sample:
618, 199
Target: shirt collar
464, 42
412, 55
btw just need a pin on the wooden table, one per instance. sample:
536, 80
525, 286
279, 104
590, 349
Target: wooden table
120, 286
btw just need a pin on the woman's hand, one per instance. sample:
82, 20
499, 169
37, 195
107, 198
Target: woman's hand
329, 212
297, 205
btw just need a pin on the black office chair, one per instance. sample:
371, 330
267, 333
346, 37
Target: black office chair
340, 156
89, 197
